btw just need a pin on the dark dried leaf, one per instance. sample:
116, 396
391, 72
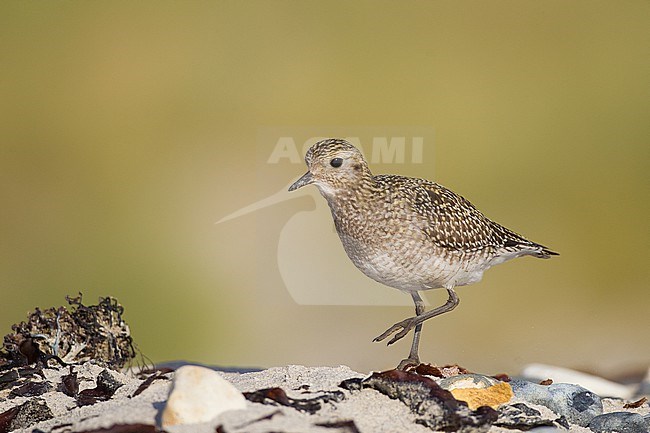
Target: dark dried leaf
277, 395
9, 380
30, 389
70, 384
635, 404
13, 378
149, 371
148, 381
428, 370
442, 372
31, 372
6, 417
88, 397
546, 382
343, 426
9, 377
63, 427
274, 394
106, 387
126, 428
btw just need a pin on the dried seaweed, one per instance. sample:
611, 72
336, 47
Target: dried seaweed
75, 335
104, 390
277, 395
159, 374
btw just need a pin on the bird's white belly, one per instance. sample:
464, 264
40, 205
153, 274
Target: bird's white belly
430, 269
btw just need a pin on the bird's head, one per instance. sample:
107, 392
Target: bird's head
334, 165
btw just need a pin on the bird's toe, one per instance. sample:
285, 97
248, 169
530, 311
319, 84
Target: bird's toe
402, 328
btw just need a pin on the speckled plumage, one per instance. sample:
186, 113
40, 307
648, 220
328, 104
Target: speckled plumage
407, 233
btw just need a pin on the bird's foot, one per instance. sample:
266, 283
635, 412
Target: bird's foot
405, 325
408, 364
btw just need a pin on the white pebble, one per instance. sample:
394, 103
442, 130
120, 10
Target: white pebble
198, 395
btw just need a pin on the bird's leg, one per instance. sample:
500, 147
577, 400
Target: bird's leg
412, 322
414, 358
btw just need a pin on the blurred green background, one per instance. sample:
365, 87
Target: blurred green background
129, 128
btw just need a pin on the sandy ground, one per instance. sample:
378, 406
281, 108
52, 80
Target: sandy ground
366, 410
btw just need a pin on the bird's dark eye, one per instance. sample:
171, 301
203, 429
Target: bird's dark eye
336, 162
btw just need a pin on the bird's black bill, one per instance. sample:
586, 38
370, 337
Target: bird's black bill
306, 179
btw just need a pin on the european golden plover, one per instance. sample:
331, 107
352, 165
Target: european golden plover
407, 233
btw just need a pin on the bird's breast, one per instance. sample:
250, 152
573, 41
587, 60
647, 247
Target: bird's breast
388, 244
407, 260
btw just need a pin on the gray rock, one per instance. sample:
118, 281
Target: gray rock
530, 392
107, 381
467, 381
620, 422
30, 413
577, 404
521, 417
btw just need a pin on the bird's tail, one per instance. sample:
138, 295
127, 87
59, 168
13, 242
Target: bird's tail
514, 241
544, 252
